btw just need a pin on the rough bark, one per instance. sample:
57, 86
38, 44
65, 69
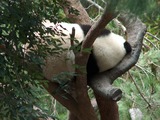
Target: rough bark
63, 97
82, 17
84, 104
107, 107
72, 117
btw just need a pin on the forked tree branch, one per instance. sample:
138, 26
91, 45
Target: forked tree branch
101, 83
135, 31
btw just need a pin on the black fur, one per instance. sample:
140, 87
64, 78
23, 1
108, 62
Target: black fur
92, 67
128, 47
85, 29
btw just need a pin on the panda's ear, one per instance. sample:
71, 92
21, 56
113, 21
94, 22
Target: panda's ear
128, 47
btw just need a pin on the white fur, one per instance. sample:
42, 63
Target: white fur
109, 51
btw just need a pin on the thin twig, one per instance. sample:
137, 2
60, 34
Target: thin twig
150, 42
116, 21
153, 36
144, 70
141, 94
95, 4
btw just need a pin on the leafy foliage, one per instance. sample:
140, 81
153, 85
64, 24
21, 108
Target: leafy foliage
142, 90
148, 84
22, 52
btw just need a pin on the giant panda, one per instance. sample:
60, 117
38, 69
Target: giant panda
107, 50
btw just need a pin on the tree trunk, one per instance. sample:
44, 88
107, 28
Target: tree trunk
72, 117
82, 17
107, 107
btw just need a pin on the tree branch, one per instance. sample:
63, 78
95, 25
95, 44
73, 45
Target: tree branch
95, 4
135, 30
155, 37
63, 97
117, 22
81, 17
81, 60
141, 94
108, 108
